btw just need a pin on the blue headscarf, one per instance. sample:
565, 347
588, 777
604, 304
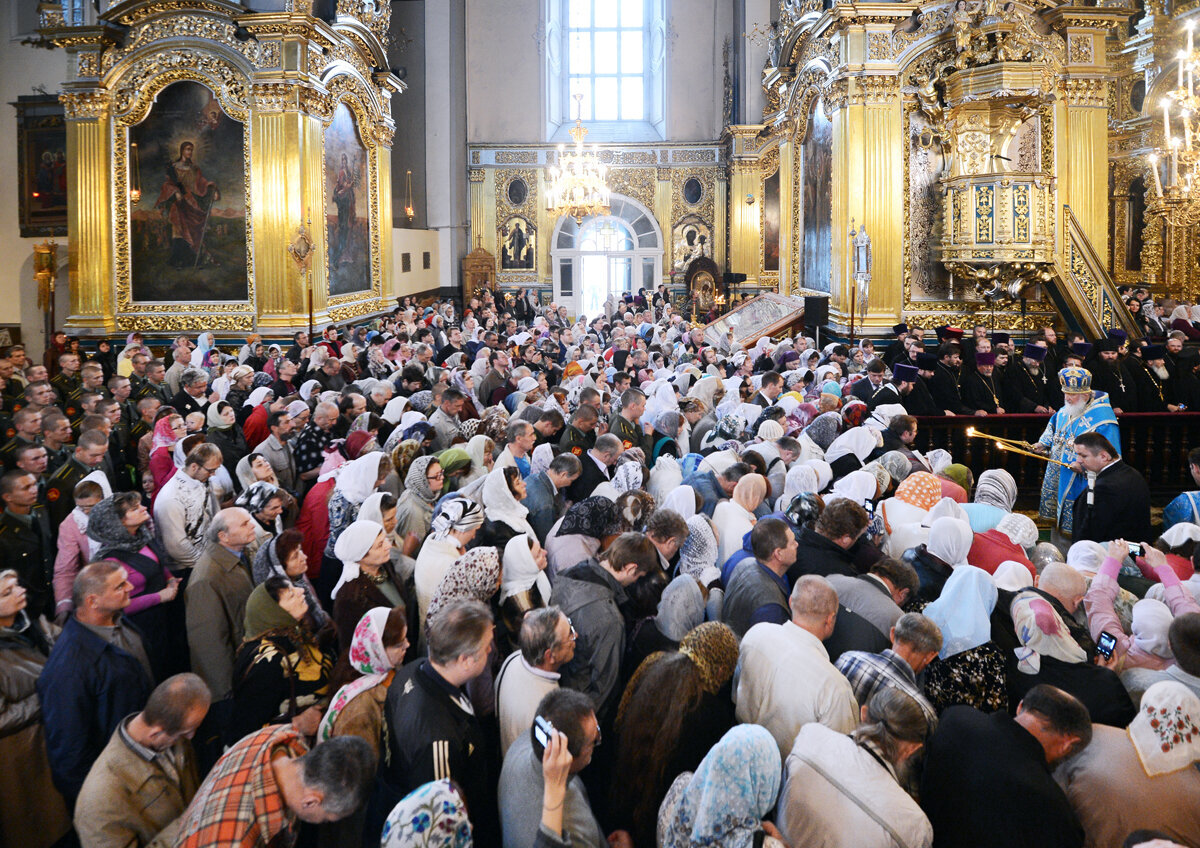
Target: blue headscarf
964, 609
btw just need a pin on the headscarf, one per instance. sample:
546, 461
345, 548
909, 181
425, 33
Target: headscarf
1166, 731
921, 490
307, 389
456, 514
257, 397
713, 647
369, 658
938, 459
824, 429
354, 543
595, 517
704, 389
750, 491
1041, 632
357, 479
1012, 576
473, 576
681, 608
1151, 621
723, 803
668, 423
628, 477
859, 441
730, 426
521, 572
882, 478
1086, 556
164, 433
957, 473
858, 486
455, 459
204, 343
1020, 529
854, 413
800, 479
996, 487
212, 418
681, 500
104, 527
500, 505
372, 508
950, 540
633, 508
698, 553
963, 611
257, 496
264, 614
478, 448
770, 430
897, 466
824, 473
431, 816
415, 480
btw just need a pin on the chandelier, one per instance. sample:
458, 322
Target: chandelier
1177, 187
577, 183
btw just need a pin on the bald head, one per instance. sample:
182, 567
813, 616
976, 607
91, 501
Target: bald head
1063, 582
814, 604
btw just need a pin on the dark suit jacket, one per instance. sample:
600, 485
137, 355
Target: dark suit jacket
186, 404
544, 504
591, 477
1120, 508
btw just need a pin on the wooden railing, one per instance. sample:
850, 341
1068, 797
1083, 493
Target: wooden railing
1156, 444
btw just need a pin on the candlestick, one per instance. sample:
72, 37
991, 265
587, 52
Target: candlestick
1179, 69
1154, 171
1190, 28
1174, 161
1187, 128
1166, 118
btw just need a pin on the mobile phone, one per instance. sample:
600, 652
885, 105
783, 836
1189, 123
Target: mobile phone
543, 731
1106, 644
1135, 548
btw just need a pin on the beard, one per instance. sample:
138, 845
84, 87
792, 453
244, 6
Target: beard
1075, 404
1034, 370
1161, 372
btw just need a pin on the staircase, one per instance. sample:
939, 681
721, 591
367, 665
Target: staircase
1082, 289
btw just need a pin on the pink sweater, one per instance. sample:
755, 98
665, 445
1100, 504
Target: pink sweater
72, 556
138, 600
1102, 615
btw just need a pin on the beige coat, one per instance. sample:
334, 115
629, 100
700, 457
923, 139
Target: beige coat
127, 801
215, 601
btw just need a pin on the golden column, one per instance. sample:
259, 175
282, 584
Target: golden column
89, 204
745, 254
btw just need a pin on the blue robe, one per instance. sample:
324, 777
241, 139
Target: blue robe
1061, 485
1184, 509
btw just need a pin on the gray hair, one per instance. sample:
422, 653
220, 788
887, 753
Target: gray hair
566, 463
538, 633
892, 717
919, 632
517, 429
458, 630
91, 579
813, 597
343, 770
608, 444
192, 375
422, 348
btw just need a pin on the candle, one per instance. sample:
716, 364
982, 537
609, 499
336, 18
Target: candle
1154, 171
1190, 28
1166, 104
1174, 161
1179, 70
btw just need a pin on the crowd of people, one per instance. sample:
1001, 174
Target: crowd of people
495, 576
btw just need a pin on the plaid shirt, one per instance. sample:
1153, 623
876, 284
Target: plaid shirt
868, 673
239, 805
308, 448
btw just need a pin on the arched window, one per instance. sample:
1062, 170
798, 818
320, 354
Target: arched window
606, 255
611, 54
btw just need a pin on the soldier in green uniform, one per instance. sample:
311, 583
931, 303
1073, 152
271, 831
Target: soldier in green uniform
579, 437
624, 425
155, 384
56, 439
26, 541
27, 429
60, 488
67, 379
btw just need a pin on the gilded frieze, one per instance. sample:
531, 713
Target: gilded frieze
638, 183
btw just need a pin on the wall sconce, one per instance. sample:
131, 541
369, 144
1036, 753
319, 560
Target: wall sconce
749, 199
135, 182
409, 210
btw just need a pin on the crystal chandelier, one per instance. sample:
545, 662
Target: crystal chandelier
1177, 186
577, 183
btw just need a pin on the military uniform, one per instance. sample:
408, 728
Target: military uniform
27, 547
60, 489
55, 457
576, 441
8, 452
161, 391
65, 385
630, 434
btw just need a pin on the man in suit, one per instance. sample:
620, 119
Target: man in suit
544, 492
769, 391
596, 467
1116, 502
191, 395
864, 390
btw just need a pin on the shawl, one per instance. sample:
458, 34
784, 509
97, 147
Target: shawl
521, 571
800, 479
595, 517
369, 658
698, 554
204, 343
898, 467
431, 816
859, 441
456, 513
256, 496
682, 501
858, 486
1166, 731
824, 429
1151, 621
950, 540
164, 434
352, 545
473, 576
394, 410
628, 477
1041, 632
713, 647
963, 612
104, 527
1020, 529
704, 389
501, 506
356, 480
681, 608
417, 482
665, 478
996, 487
921, 490
824, 473
750, 491
723, 802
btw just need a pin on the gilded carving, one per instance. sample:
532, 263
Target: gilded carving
376, 15
634, 157
516, 157
528, 205
706, 206
87, 64
703, 155
138, 84
84, 105
1079, 49
638, 183
1085, 92
880, 46
476, 175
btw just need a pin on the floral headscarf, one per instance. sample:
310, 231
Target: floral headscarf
474, 576
415, 480
854, 412
431, 816
713, 647
723, 802
628, 477
369, 658
403, 455
633, 509
595, 517
164, 433
1166, 730
921, 490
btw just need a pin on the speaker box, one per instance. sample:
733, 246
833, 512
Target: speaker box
816, 311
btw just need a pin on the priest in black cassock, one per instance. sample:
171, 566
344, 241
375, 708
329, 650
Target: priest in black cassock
1109, 375
987, 781
1025, 383
979, 390
1152, 379
919, 401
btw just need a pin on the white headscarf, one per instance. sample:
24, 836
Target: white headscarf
520, 571
950, 540
257, 397
824, 473
945, 508
1086, 556
1012, 576
1151, 621
306, 390
682, 501
354, 543
499, 504
859, 441
358, 477
394, 409
800, 479
681, 608
1020, 529
371, 509
1161, 751
858, 486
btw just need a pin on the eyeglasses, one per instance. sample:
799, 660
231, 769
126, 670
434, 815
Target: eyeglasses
439, 476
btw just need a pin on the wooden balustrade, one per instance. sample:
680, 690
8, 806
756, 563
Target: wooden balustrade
1156, 444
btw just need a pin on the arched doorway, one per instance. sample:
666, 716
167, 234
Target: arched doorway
606, 254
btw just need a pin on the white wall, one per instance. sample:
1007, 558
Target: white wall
21, 68
415, 243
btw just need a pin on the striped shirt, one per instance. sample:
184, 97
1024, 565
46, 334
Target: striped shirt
868, 673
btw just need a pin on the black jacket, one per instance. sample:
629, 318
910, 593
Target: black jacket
818, 555
29, 550
185, 404
1120, 508
933, 572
